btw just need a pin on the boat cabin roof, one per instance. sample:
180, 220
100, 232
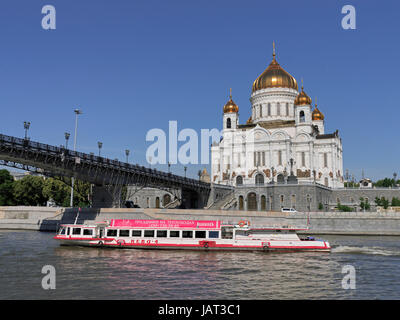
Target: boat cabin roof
175, 224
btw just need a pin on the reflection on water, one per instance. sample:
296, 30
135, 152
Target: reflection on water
95, 273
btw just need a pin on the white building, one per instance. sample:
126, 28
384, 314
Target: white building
283, 135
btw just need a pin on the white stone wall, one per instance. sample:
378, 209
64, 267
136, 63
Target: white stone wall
254, 151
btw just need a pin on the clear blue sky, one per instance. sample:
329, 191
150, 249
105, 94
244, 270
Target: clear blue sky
133, 65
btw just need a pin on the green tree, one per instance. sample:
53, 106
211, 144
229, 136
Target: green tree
81, 192
28, 191
6, 188
344, 208
395, 202
385, 183
364, 205
351, 184
58, 191
382, 202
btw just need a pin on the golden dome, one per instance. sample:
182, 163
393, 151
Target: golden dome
274, 76
302, 99
230, 106
317, 115
249, 121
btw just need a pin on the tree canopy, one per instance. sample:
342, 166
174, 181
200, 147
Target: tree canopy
6, 188
37, 190
386, 183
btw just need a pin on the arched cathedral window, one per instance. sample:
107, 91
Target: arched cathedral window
259, 179
302, 116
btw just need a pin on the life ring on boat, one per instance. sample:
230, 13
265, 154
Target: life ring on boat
205, 245
100, 243
242, 223
266, 246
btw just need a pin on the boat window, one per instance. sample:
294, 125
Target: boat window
161, 233
87, 232
62, 231
200, 234
227, 232
174, 234
277, 230
136, 233
292, 231
187, 234
111, 233
124, 233
149, 233
242, 233
213, 234
76, 231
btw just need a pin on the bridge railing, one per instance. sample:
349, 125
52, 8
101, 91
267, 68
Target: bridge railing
92, 159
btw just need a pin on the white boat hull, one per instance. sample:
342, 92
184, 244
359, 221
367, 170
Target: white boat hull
251, 245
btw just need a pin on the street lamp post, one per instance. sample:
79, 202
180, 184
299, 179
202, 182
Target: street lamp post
185, 168
127, 155
26, 127
100, 145
66, 134
77, 112
169, 167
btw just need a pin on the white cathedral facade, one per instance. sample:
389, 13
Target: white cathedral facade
284, 139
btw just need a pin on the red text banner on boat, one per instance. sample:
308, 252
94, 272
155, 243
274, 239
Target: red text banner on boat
166, 224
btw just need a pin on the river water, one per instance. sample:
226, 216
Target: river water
94, 273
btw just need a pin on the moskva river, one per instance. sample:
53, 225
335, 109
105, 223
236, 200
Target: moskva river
94, 273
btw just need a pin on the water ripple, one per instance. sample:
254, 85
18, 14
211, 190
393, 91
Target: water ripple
94, 273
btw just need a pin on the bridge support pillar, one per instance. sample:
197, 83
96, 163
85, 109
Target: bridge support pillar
193, 200
107, 196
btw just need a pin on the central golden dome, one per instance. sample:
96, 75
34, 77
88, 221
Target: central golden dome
274, 77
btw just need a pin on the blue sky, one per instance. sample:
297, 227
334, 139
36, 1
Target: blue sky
134, 65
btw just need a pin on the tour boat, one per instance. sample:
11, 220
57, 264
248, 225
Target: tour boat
186, 234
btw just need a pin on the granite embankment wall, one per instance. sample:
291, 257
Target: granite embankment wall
350, 223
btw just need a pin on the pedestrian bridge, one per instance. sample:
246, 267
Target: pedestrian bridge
102, 172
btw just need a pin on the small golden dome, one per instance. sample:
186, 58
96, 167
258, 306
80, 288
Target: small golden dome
230, 106
302, 99
249, 121
274, 76
317, 115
